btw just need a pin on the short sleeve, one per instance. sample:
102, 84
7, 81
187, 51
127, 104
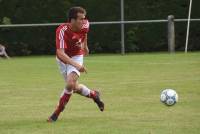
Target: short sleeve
61, 37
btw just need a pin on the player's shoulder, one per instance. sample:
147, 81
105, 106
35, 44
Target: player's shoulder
62, 27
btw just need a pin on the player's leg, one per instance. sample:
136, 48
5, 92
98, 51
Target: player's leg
6, 55
93, 94
65, 96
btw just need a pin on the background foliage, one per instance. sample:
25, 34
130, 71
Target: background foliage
102, 38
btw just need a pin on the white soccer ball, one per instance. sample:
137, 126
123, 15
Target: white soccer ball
169, 97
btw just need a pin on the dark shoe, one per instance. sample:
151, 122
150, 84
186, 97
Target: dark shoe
52, 118
98, 101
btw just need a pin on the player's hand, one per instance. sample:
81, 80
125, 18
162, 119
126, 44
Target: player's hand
79, 44
82, 69
86, 51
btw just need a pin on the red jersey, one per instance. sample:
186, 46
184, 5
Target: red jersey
67, 39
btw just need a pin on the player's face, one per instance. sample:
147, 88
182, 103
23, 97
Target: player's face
79, 21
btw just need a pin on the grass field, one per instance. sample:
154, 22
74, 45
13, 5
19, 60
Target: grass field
130, 85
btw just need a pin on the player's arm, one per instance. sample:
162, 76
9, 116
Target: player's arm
67, 60
86, 49
61, 45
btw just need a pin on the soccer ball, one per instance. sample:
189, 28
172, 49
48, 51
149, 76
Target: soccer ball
169, 97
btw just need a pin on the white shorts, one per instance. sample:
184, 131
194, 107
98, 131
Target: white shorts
66, 69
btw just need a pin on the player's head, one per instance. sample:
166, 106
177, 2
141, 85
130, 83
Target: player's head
76, 16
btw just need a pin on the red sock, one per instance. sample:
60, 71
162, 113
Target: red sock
62, 102
92, 94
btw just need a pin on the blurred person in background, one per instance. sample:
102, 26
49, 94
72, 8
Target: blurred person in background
3, 52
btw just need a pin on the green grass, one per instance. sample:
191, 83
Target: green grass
130, 86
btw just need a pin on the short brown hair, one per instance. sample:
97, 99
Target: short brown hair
72, 13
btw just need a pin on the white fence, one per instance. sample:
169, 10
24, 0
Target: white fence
99, 23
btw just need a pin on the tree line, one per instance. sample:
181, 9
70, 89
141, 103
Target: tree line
102, 38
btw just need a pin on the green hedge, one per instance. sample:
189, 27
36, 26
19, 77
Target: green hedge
102, 38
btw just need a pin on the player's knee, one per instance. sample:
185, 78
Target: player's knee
72, 81
78, 88
71, 84
69, 88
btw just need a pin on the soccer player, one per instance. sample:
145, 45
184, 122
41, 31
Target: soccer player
71, 46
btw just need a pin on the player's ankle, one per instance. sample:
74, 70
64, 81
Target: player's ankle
93, 94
